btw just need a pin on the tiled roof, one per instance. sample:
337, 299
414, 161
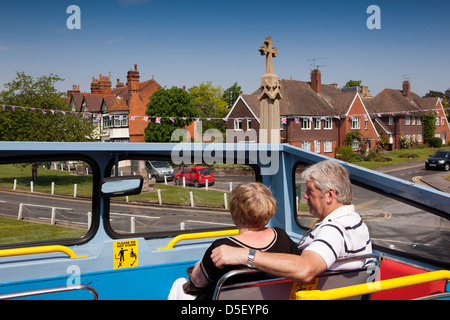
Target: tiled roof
299, 99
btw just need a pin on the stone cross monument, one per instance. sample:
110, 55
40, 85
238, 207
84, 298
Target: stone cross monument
269, 97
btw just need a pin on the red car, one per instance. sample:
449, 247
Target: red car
196, 176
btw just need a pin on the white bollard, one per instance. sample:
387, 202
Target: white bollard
165, 180
31, 186
20, 215
75, 190
159, 196
206, 184
182, 226
126, 199
53, 188
53, 220
133, 225
89, 219
192, 198
225, 201
15, 184
184, 182
231, 186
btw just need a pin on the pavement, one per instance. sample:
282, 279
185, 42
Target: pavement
436, 180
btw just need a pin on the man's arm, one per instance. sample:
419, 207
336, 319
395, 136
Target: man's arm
302, 267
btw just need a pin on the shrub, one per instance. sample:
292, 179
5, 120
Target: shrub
434, 142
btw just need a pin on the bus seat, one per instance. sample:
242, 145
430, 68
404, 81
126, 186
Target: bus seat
390, 269
251, 284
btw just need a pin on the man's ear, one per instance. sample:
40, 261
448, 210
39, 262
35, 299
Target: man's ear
331, 195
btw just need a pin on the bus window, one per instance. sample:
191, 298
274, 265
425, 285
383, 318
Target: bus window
45, 201
394, 223
176, 199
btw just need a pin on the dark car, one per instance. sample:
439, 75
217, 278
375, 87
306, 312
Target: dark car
440, 159
196, 176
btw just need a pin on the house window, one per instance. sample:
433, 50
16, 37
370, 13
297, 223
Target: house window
413, 121
419, 121
249, 124
328, 124
419, 137
317, 124
365, 124
107, 123
355, 145
237, 124
306, 124
306, 145
407, 121
120, 121
356, 123
316, 146
438, 119
328, 146
391, 121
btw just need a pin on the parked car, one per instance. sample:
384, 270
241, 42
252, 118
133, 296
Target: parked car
159, 169
440, 159
196, 176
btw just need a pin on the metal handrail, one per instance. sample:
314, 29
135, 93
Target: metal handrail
199, 235
371, 287
41, 249
36, 292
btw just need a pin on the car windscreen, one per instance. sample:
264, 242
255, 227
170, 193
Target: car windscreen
205, 171
160, 164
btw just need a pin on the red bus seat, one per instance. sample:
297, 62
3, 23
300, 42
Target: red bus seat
390, 269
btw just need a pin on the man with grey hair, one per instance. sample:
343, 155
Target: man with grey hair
339, 233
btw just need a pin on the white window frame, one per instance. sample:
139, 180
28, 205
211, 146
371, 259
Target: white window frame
306, 124
317, 125
237, 124
317, 146
306, 145
356, 123
328, 124
328, 146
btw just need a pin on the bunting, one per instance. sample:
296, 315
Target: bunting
159, 120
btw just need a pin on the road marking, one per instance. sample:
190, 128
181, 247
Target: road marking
133, 215
402, 168
365, 204
222, 224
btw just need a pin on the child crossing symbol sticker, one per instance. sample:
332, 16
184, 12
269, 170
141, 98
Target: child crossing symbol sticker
126, 254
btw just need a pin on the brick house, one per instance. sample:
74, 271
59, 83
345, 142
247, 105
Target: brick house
398, 113
313, 116
118, 111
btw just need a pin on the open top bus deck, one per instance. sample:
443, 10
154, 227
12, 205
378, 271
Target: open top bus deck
63, 235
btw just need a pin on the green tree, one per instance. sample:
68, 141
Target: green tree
353, 83
428, 126
209, 103
231, 94
173, 103
20, 124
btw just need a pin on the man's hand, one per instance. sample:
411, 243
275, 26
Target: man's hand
226, 255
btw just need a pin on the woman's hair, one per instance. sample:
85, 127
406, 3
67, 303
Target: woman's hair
252, 205
328, 175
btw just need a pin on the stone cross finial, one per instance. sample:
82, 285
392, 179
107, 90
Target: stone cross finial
268, 51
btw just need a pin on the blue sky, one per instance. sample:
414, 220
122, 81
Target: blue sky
189, 42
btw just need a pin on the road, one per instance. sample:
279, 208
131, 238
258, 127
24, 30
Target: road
75, 211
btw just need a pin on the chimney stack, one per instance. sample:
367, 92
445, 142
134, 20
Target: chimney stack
133, 80
316, 81
75, 89
95, 86
407, 89
104, 85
